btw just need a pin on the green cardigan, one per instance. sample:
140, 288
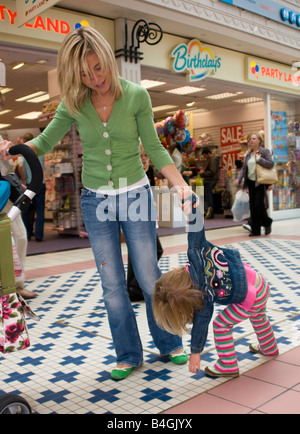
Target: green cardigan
110, 152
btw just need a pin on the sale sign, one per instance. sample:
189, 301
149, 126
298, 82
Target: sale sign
230, 138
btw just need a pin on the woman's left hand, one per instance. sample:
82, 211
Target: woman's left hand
187, 199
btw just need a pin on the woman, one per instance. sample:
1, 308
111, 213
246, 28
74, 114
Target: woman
111, 116
257, 154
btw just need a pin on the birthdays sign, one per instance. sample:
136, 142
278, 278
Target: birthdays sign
195, 58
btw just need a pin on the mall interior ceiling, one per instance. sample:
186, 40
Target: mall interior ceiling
32, 77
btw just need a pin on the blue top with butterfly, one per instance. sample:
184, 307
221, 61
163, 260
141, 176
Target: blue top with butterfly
218, 273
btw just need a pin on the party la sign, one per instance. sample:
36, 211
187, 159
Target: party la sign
196, 59
270, 73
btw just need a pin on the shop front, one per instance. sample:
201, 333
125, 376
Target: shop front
274, 110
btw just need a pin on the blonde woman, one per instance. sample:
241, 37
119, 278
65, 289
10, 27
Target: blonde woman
112, 115
257, 154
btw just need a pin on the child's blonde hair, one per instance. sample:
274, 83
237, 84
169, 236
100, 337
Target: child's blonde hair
175, 300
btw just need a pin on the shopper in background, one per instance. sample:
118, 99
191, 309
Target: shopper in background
186, 295
34, 216
257, 154
210, 174
186, 171
134, 290
112, 115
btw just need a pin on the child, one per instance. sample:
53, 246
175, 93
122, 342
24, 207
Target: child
214, 275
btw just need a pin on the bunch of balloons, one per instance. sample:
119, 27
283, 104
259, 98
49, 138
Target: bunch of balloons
173, 129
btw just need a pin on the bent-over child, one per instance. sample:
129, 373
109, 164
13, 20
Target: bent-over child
214, 275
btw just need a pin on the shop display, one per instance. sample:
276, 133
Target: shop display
286, 192
62, 176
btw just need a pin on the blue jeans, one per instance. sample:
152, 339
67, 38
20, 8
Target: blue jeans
134, 213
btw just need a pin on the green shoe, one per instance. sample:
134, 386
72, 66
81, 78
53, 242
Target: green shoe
179, 358
120, 373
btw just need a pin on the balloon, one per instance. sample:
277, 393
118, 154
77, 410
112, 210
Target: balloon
179, 118
190, 146
170, 125
182, 136
160, 129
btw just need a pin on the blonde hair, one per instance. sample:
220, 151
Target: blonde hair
259, 136
175, 300
71, 61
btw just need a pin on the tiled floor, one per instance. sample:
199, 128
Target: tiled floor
67, 368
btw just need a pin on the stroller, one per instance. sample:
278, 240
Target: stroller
13, 329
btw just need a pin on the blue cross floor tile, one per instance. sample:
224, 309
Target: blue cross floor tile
67, 367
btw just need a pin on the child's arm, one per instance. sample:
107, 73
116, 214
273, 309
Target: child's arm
194, 363
201, 322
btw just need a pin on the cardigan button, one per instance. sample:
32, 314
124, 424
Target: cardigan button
108, 167
110, 183
107, 151
105, 134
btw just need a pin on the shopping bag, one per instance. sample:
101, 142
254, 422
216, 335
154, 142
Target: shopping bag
240, 208
265, 175
13, 329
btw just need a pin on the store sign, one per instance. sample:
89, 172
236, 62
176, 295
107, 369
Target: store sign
269, 9
230, 138
52, 25
195, 58
29, 9
262, 71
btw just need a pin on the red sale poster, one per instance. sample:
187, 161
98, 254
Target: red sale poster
230, 138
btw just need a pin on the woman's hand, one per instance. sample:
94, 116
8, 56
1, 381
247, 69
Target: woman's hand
4, 146
187, 199
236, 182
194, 363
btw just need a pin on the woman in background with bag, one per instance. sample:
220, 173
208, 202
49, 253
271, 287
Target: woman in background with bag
257, 155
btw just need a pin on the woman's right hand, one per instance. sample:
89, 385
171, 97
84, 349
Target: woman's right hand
4, 146
237, 182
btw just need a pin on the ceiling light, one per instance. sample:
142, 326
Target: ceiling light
4, 112
148, 84
19, 65
41, 98
30, 116
4, 126
197, 110
31, 96
221, 95
5, 90
248, 100
190, 104
185, 90
163, 107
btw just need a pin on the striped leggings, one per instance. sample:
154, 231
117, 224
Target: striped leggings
234, 314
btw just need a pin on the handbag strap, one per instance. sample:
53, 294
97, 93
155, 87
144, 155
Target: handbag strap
7, 271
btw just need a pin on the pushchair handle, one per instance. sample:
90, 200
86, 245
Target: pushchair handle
34, 164
36, 179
